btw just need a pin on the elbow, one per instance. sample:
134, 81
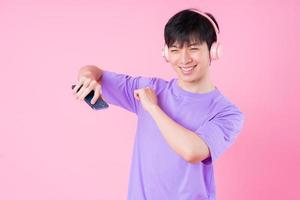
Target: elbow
196, 156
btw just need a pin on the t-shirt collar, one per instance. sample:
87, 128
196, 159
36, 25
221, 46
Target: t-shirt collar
183, 93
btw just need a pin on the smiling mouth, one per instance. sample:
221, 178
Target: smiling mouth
188, 69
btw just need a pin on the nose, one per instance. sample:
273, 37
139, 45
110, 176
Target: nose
185, 57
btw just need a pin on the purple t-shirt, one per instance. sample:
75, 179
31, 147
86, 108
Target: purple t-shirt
157, 171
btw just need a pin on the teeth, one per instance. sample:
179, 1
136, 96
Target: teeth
186, 69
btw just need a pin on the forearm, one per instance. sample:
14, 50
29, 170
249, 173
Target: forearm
90, 70
183, 141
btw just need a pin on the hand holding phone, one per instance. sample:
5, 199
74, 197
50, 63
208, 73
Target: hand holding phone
98, 105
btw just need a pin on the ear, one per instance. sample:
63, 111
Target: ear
209, 58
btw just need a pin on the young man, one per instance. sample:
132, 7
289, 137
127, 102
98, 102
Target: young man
184, 124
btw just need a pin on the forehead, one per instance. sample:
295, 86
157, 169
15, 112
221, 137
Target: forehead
186, 41
180, 44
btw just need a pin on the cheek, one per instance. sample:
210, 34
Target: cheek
175, 68
173, 63
202, 59
200, 56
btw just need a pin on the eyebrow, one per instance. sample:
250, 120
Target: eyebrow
197, 43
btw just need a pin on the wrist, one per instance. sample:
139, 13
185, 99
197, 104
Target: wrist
154, 109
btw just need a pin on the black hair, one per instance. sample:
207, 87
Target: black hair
189, 26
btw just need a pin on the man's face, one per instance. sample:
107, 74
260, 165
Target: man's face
191, 62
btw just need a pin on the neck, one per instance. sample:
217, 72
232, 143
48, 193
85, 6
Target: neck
202, 85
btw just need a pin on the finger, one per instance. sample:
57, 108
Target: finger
149, 88
82, 92
78, 85
142, 94
100, 89
86, 92
81, 86
142, 91
96, 95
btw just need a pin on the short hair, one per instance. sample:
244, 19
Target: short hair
189, 26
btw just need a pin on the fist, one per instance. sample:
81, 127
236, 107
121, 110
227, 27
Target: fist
147, 97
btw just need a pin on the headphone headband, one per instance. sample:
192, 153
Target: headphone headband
217, 31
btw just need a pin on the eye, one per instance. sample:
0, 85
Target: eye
173, 50
195, 48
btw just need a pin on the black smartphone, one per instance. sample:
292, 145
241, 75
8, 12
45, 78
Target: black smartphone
100, 103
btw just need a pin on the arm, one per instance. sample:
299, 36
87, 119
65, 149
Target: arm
185, 142
115, 88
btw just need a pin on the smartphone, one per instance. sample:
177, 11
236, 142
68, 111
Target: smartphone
100, 103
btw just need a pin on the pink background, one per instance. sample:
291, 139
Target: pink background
55, 147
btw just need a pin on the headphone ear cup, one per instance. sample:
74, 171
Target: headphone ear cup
165, 53
215, 51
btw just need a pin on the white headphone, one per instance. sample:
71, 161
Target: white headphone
215, 49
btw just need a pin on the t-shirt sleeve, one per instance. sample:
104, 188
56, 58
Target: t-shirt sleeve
221, 131
118, 89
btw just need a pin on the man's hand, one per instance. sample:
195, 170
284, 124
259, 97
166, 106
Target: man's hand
147, 97
88, 83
